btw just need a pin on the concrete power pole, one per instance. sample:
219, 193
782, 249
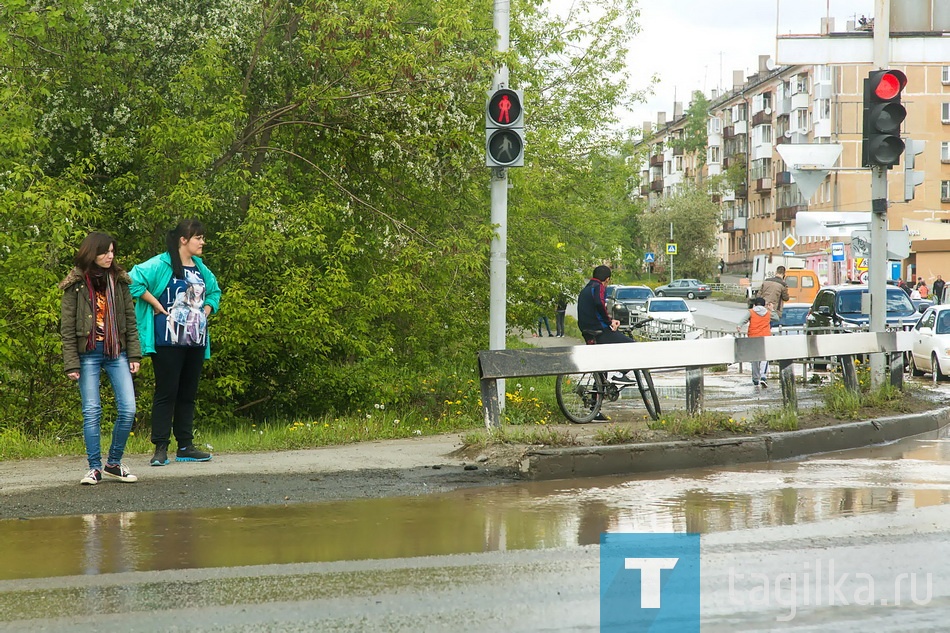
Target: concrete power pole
498, 270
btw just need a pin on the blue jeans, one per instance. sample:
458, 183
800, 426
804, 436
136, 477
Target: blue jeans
91, 365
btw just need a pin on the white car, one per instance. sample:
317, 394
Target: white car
931, 348
670, 316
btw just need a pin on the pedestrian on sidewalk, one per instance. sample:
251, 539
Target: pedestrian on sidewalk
560, 311
176, 294
99, 333
759, 320
938, 286
542, 317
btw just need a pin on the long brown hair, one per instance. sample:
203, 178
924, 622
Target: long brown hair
95, 244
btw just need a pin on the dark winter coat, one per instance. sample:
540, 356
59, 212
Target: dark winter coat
79, 318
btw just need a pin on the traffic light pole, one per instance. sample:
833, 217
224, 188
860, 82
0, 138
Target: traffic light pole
498, 267
877, 270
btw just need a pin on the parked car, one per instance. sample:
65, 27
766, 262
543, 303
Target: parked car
838, 309
793, 316
689, 288
627, 301
666, 311
930, 352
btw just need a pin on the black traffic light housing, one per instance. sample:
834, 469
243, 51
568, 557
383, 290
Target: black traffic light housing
504, 129
883, 114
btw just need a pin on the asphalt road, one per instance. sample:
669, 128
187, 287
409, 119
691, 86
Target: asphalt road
881, 572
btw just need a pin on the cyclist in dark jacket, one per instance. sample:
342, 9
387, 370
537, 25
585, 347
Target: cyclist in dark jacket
592, 317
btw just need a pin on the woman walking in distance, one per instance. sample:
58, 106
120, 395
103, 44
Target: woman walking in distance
176, 294
99, 332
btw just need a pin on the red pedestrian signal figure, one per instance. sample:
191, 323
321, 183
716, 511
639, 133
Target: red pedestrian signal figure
504, 110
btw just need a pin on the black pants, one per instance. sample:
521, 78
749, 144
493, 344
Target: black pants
177, 370
559, 322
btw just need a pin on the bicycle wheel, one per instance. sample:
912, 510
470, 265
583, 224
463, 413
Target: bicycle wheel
648, 392
579, 396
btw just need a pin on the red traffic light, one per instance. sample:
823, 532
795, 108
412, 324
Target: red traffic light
887, 84
504, 108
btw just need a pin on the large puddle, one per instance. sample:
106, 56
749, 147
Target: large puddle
903, 476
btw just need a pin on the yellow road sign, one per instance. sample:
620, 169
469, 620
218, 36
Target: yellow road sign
671, 249
861, 263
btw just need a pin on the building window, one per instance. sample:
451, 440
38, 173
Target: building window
945, 75
945, 112
679, 163
945, 191
945, 152
714, 154
824, 108
801, 121
715, 125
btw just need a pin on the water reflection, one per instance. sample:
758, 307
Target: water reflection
537, 515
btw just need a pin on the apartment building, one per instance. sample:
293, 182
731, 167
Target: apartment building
758, 196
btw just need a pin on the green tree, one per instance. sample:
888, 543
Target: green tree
335, 154
695, 219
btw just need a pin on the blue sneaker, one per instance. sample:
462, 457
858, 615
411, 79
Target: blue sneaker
160, 458
191, 454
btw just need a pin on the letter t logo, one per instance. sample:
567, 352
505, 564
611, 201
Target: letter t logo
650, 578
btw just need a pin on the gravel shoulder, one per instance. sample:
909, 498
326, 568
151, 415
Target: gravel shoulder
50, 486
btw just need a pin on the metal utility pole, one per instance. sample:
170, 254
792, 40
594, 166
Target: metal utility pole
498, 269
877, 270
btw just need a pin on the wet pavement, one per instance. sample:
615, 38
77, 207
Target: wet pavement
906, 475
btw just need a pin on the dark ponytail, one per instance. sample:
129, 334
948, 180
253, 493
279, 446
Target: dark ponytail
186, 229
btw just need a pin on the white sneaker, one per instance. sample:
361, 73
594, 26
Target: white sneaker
92, 478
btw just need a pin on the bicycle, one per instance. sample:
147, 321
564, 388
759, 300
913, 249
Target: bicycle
580, 396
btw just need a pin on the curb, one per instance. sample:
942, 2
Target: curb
595, 461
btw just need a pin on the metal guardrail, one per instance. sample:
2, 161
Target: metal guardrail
693, 355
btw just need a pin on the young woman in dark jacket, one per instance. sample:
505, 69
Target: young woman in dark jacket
99, 333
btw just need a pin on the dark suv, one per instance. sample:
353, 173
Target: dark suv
626, 303
838, 309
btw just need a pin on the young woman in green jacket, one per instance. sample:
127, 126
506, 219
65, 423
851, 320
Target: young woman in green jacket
176, 294
99, 333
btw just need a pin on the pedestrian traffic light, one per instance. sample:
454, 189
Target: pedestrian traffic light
883, 114
504, 129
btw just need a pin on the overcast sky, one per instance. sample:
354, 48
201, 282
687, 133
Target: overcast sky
696, 44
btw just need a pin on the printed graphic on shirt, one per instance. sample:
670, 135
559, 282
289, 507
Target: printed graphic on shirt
101, 315
186, 323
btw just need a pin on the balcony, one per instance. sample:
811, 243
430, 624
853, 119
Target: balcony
728, 226
657, 185
740, 224
762, 118
644, 190
783, 178
728, 132
678, 151
656, 160
787, 214
781, 139
742, 193
726, 162
716, 198
763, 184
741, 127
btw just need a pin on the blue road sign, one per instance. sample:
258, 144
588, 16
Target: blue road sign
837, 251
649, 258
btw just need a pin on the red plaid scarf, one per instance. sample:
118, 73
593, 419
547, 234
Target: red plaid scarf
110, 341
